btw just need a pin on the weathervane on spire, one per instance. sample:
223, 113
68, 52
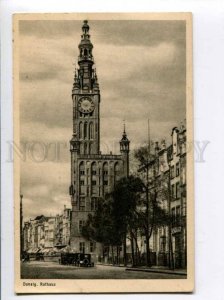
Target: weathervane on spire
124, 126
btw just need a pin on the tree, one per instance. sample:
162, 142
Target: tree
116, 215
100, 226
153, 215
126, 194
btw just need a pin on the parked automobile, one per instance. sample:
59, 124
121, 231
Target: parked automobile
77, 259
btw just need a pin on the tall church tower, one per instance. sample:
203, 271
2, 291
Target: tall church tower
93, 174
86, 98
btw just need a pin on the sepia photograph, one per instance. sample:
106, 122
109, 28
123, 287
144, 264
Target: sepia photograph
103, 155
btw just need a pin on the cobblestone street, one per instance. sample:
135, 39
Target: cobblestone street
52, 270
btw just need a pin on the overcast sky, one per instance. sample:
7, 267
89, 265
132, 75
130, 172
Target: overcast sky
141, 72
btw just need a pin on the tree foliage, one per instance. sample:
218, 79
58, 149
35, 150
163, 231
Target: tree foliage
126, 196
130, 210
101, 226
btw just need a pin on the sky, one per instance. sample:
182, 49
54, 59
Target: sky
141, 68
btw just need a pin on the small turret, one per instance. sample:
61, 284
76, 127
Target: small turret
124, 149
76, 85
74, 144
124, 142
95, 81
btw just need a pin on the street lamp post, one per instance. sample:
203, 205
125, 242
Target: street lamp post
148, 259
171, 260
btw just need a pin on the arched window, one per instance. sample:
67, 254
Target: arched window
81, 148
81, 168
93, 169
82, 178
85, 148
105, 173
91, 130
94, 178
116, 171
90, 148
85, 52
85, 130
80, 130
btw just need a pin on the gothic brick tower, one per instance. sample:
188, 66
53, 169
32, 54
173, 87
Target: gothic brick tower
92, 174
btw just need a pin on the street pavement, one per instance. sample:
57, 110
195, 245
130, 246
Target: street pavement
52, 270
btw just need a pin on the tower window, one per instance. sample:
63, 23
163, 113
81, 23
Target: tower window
85, 148
82, 168
85, 52
90, 148
93, 182
85, 130
93, 171
105, 174
116, 172
91, 130
82, 182
80, 130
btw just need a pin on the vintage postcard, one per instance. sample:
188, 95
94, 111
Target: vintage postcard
103, 132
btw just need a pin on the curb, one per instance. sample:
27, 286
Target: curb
157, 271
118, 266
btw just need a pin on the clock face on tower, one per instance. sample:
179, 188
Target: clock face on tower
85, 105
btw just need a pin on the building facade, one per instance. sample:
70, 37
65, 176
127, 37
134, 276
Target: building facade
47, 232
93, 174
167, 175
63, 227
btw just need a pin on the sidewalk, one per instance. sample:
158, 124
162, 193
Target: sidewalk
156, 269
153, 269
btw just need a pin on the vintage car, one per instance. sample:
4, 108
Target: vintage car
77, 259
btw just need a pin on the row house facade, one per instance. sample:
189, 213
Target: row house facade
47, 232
167, 175
63, 227
39, 233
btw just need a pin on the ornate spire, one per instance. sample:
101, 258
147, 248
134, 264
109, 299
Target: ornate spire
85, 46
124, 132
85, 27
85, 78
